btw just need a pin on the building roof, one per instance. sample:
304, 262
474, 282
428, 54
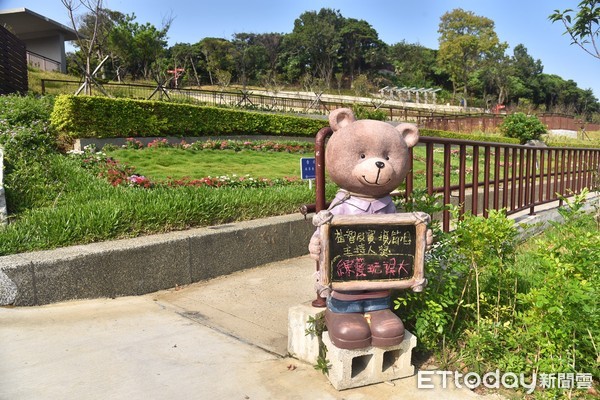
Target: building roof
26, 24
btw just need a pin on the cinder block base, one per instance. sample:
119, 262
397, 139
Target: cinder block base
300, 345
348, 368
354, 368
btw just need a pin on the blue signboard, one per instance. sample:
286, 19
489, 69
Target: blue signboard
307, 168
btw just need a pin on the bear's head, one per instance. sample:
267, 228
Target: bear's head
368, 157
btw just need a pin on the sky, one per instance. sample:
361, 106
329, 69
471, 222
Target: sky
413, 21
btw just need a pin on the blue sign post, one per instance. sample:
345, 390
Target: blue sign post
307, 170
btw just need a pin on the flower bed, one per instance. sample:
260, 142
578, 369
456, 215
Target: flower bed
119, 174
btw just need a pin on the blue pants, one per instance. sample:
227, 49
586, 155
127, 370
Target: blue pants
358, 306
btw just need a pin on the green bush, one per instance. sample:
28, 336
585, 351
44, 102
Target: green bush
523, 127
101, 117
28, 141
493, 303
362, 112
24, 110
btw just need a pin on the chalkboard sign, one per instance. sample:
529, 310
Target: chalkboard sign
374, 252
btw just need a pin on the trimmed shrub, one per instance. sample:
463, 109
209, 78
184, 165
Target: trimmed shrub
101, 117
523, 127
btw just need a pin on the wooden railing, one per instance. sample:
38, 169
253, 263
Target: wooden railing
502, 176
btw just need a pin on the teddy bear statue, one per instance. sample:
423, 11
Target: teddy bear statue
368, 160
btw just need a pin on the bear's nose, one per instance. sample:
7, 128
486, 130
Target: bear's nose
379, 164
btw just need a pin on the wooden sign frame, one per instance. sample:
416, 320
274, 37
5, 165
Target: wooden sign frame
378, 251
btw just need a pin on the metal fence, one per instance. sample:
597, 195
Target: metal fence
429, 118
490, 122
481, 176
40, 62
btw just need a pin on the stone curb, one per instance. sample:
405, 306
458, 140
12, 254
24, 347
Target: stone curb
150, 263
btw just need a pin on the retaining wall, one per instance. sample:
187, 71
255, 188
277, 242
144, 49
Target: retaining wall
147, 264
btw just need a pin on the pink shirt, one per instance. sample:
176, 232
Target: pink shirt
346, 204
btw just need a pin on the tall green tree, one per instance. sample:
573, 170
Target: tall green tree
218, 57
414, 65
272, 47
466, 41
138, 46
360, 48
250, 57
582, 26
316, 40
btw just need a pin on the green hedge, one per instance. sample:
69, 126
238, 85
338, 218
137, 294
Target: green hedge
101, 117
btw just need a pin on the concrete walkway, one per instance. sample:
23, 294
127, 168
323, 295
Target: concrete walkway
225, 338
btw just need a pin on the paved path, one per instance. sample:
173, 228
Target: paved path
218, 339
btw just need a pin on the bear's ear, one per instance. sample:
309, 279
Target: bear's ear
410, 133
341, 117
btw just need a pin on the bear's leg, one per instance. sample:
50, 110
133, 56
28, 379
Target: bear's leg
348, 330
387, 328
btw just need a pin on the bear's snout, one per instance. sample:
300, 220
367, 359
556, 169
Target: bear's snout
379, 164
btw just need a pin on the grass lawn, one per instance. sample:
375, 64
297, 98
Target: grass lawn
160, 164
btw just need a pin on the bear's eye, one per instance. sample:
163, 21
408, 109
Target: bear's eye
362, 156
387, 158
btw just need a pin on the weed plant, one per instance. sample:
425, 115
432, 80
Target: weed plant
494, 304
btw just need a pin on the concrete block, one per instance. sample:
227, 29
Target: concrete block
16, 281
224, 249
355, 368
300, 345
300, 233
70, 273
150, 266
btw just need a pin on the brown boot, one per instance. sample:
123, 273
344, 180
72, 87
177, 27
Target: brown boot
386, 328
348, 330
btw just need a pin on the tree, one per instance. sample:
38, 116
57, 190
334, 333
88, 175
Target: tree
102, 23
525, 66
218, 56
272, 45
87, 44
138, 46
186, 56
250, 57
583, 27
360, 46
316, 40
466, 40
414, 65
